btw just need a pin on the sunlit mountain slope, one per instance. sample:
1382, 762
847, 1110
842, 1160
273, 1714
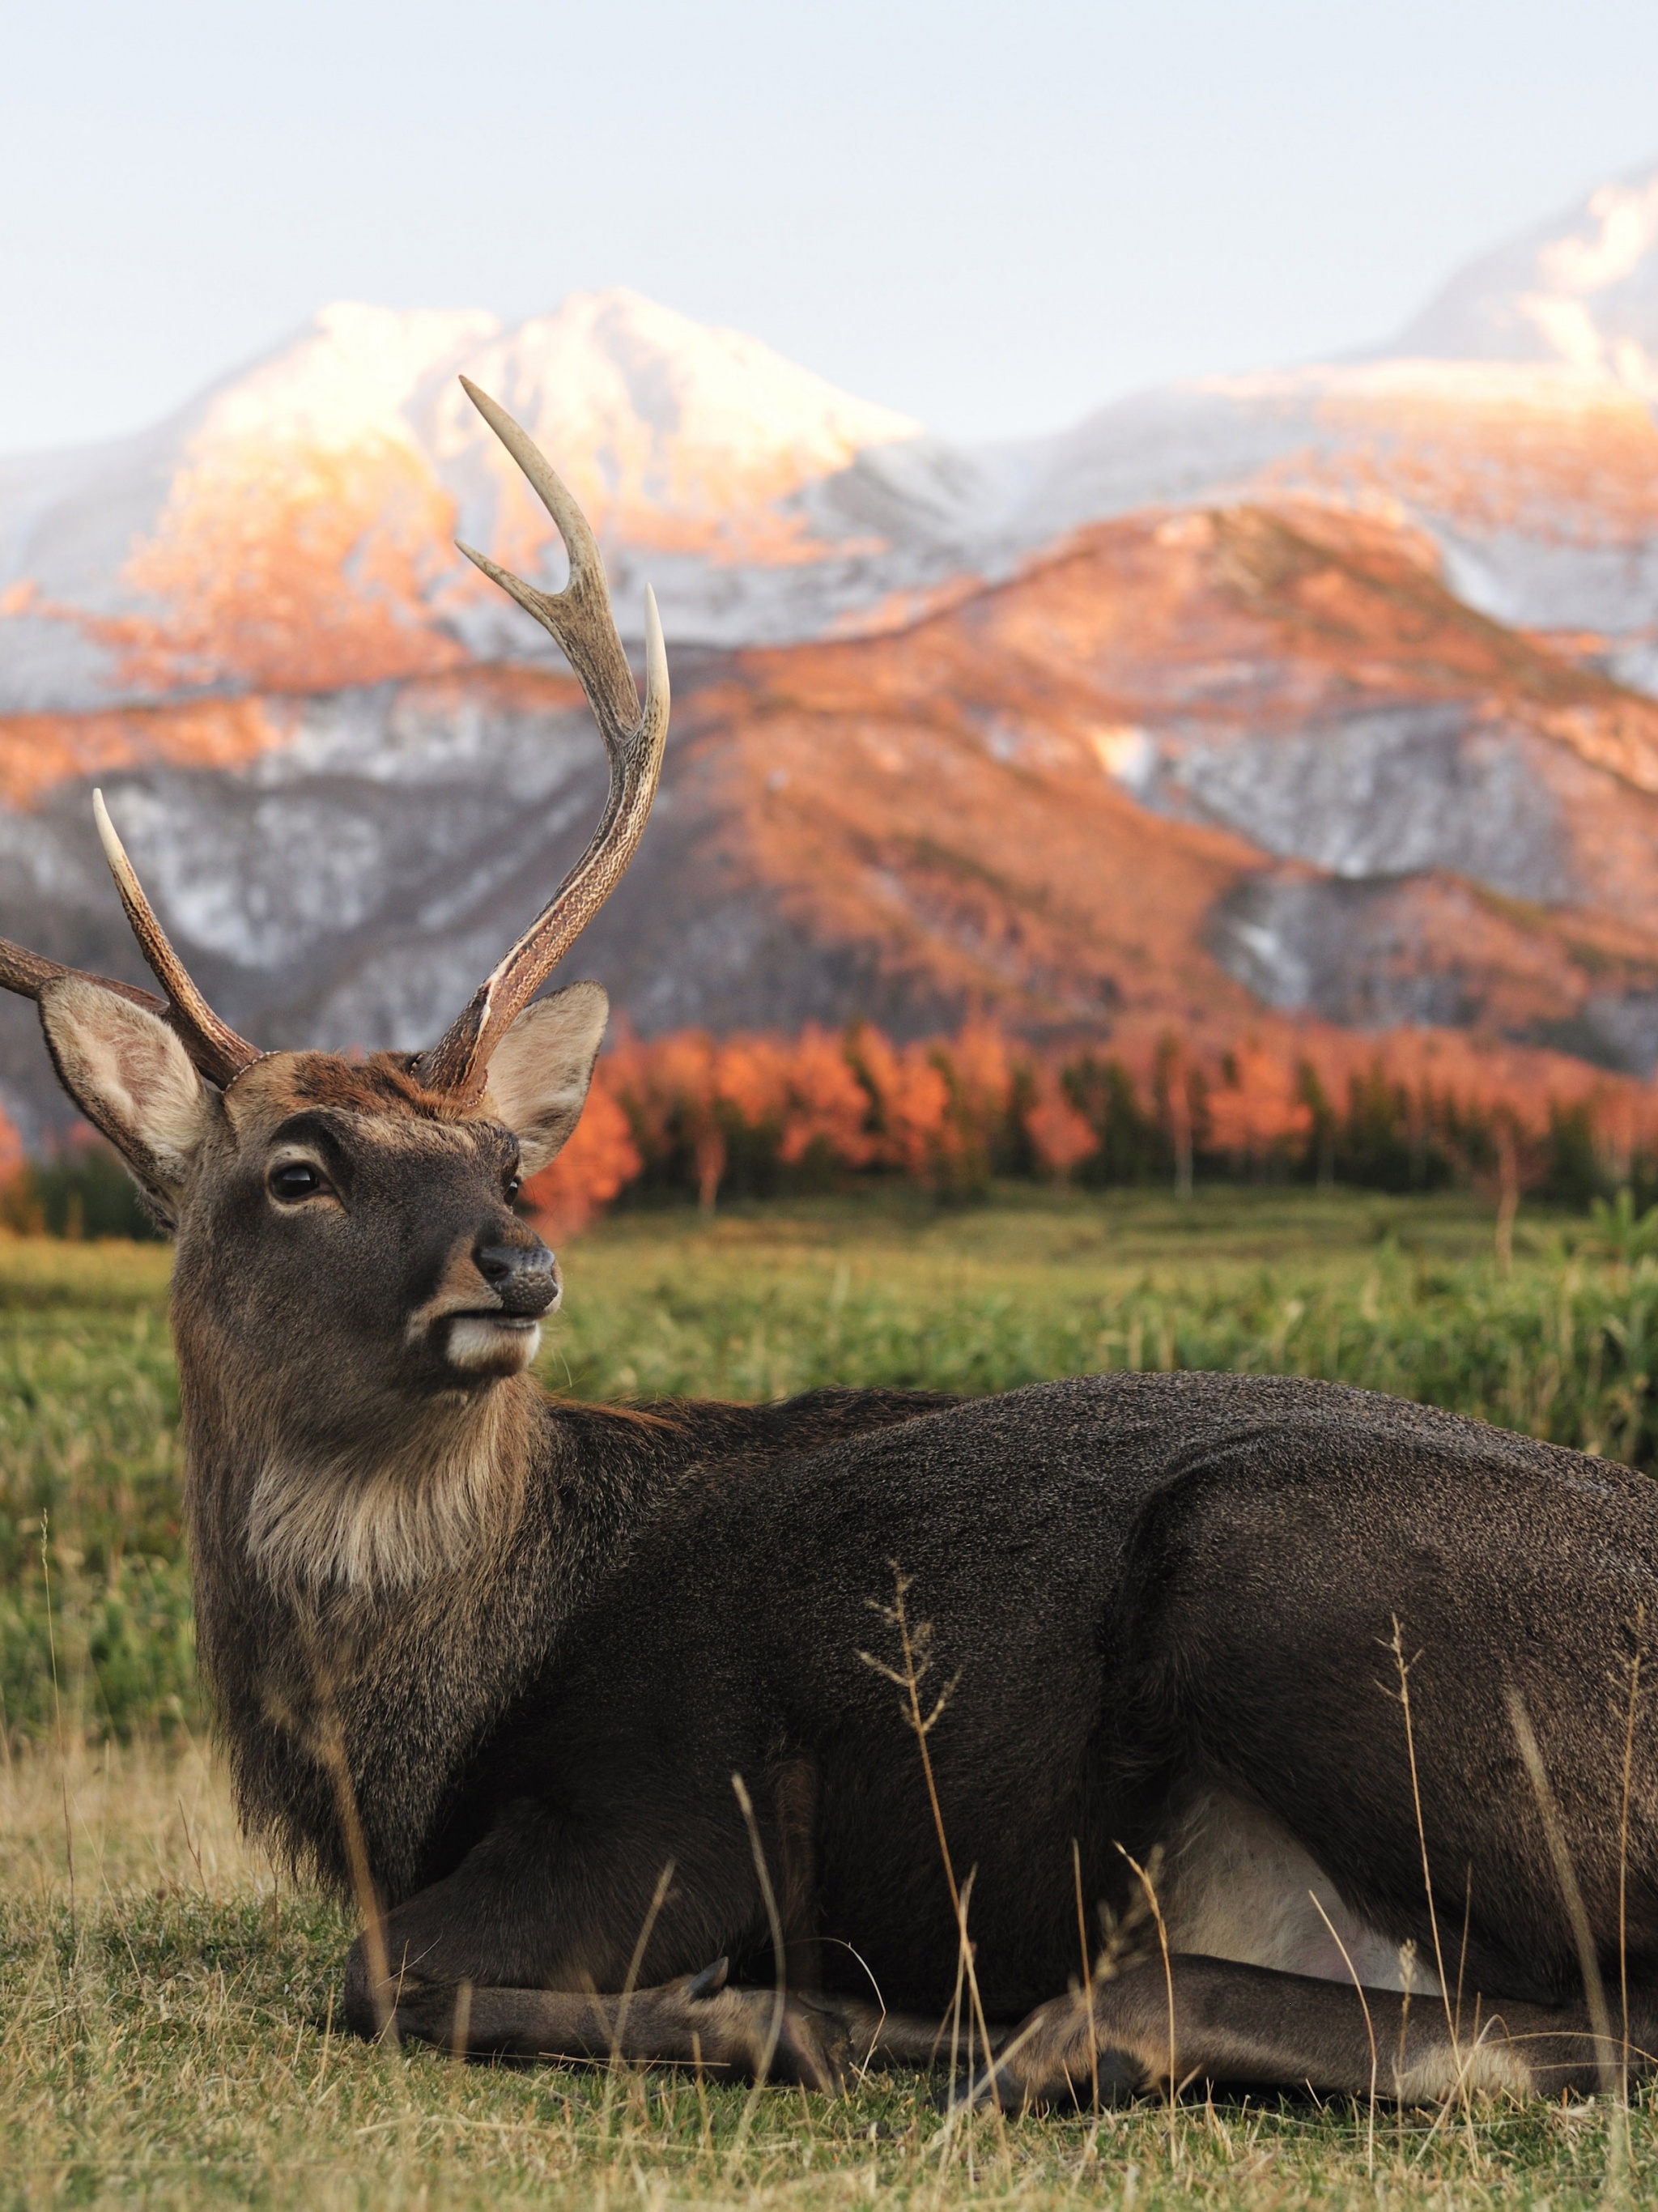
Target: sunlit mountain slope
1321, 695
1192, 770
291, 528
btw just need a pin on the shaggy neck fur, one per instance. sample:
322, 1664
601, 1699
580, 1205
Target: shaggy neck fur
386, 1516
375, 1499
378, 1599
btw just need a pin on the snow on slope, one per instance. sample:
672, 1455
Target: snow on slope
321, 489
289, 530
1538, 484
1581, 289
1513, 420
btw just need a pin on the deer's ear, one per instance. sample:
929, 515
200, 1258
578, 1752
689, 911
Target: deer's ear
132, 1078
540, 1071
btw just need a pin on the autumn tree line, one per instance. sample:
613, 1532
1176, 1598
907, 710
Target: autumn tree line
690, 1115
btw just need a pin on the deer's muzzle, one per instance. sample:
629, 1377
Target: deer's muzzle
523, 1277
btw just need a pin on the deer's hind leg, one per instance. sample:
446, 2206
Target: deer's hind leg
1215, 2020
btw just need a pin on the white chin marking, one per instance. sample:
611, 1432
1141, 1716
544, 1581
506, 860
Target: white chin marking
481, 1346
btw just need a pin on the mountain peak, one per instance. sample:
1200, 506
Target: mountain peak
353, 367
1580, 291
611, 364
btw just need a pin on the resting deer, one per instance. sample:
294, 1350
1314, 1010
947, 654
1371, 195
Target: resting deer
497, 1657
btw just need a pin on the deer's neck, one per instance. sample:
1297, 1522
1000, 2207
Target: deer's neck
370, 1595
383, 1516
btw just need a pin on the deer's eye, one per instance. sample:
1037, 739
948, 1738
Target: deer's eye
514, 1184
298, 1179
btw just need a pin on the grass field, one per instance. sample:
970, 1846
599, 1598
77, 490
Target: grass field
166, 2033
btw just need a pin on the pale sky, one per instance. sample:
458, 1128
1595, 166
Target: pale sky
992, 216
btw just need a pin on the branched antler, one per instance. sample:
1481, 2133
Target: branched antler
579, 619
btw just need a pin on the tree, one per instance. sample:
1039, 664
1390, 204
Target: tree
827, 1108
1259, 1109
600, 1160
1062, 1138
910, 1101
1177, 1088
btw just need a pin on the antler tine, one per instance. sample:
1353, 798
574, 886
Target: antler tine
579, 619
28, 973
218, 1052
216, 1047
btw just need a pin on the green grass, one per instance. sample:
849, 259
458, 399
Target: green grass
166, 2034
168, 2039
1394, 1294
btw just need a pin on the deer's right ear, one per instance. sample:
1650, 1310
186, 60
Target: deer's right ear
539, 1073
132, 1078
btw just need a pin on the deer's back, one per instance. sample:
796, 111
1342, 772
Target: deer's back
1108, 1581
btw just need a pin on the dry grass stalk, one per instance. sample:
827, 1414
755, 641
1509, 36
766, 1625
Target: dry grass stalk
1148, 1887
1614, 2078
1370, 2026
629, 1984
1088, 1978
914, 1643
774, 1923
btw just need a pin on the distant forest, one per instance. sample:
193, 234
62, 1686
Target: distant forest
763, 1116
689, 1116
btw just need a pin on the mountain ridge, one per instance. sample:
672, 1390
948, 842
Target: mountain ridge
1323, 695
770, 507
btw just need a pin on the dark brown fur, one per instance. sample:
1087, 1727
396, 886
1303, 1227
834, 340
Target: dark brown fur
524, 1645
499, 1663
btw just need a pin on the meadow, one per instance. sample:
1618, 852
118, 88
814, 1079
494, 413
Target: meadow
167, 2032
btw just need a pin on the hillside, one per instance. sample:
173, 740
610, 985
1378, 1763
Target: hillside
1317, 696
292, 526
1183, 770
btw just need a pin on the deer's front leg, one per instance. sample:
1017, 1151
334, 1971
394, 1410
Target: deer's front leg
526, 1949
696, 2020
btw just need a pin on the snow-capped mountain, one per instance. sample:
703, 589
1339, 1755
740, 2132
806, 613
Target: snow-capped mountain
1328, 689
1580, 291
292, 527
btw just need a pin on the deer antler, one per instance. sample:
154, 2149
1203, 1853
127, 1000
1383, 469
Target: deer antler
578, 618
216, 1049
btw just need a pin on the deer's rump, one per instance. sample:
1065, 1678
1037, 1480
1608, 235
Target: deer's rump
1125, 1589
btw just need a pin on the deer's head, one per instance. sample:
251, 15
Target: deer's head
348, 1245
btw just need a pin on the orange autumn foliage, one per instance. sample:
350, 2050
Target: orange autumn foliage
1061, 1138
689, 1110
827, 1106
911, 1101
1258, 1107
288, 568
12, 1155
600, 1160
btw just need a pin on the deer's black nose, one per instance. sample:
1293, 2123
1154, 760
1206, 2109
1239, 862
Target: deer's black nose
523, 1277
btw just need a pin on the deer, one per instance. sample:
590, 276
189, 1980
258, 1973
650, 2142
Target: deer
1280, 1733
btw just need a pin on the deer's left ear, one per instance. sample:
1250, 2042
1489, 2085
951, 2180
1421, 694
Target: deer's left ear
540, 1071
132, 1078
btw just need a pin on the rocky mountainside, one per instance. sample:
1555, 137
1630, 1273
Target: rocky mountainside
1322, 694
293, 527
1186, 768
